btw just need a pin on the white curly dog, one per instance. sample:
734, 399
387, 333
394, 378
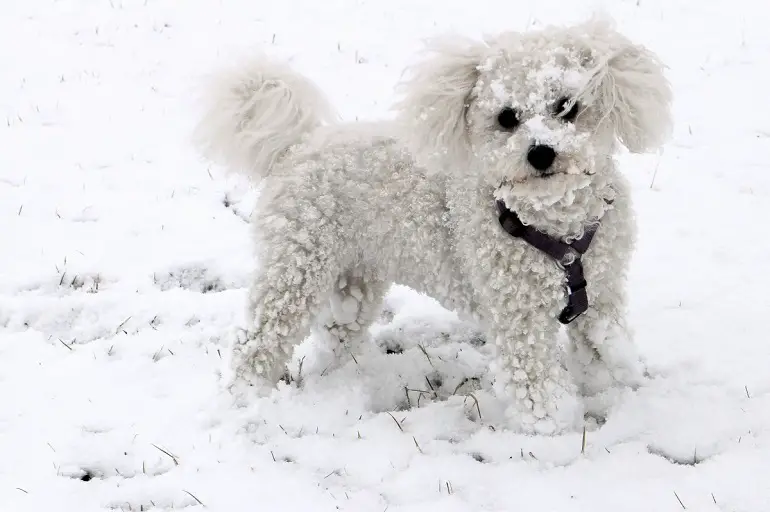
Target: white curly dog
499, 144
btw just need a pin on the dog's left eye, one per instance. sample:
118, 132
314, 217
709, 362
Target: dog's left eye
569, 115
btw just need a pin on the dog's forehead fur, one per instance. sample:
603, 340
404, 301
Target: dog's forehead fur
531, 73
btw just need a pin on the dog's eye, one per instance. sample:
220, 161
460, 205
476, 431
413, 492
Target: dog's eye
507, 119
569, 115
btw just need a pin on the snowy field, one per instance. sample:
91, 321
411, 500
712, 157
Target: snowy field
125, 258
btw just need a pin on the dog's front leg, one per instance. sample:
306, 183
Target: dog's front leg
602, 353
544, 399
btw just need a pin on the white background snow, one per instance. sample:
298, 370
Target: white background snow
124, 260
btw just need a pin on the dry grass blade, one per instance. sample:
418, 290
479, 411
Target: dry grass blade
680, 501
435, 395
398, 424
476, 401
462, 382
747, 391
655, 173
583, 445
117, 329
194, 497
62, 342
22, 490
351, 355
419, 345
417, 445
173, 457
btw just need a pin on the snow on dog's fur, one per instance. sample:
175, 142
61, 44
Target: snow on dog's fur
348, 209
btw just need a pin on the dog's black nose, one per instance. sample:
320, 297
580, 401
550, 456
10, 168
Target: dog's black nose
541, 157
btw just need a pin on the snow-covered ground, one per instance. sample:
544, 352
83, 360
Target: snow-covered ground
124, 260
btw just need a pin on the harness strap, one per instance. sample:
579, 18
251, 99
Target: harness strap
568, 255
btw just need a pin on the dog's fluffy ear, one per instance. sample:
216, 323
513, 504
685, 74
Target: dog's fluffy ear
629, 88
435, 100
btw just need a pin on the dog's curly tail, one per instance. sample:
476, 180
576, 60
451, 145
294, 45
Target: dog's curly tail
254, 113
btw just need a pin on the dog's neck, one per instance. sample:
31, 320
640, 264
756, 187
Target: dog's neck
564, 215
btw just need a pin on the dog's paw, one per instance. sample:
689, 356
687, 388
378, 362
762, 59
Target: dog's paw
600, 376
546, 407
244, 392
251, 369
630, 374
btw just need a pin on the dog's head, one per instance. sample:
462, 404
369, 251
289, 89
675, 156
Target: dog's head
535, 114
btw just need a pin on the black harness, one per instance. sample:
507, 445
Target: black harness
567, 255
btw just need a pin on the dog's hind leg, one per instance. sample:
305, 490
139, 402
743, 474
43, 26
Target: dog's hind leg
353, 306
286, 296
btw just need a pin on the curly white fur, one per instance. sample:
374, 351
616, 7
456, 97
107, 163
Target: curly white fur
346, 211
256, 112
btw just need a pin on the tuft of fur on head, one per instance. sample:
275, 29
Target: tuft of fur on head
432, 111
254, 112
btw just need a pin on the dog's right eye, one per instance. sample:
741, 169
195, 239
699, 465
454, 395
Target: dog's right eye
507, 119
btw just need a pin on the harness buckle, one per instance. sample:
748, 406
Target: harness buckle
577, 304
